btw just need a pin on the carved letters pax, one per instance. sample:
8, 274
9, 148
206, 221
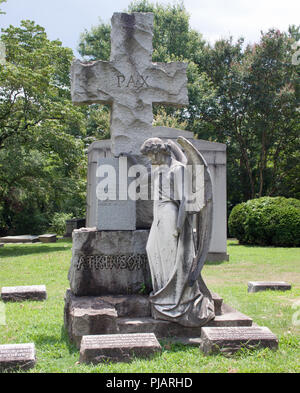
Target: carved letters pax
136, 82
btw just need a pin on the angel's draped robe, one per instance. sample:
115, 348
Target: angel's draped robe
171, 255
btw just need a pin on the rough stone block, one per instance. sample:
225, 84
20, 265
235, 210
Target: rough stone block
87, 316
256, 286
17, 356
48, 238
18, 294
109, 263
130, 305
218, 302
117, 347
127, 314
231, 339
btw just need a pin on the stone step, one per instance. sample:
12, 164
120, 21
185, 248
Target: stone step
231, 339
170, 329
125, 305
90, 315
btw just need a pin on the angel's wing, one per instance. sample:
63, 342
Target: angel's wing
202, 205
177, 152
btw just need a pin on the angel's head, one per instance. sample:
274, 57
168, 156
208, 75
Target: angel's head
156, 150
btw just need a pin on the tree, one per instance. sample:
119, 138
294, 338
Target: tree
255, 112
42, 163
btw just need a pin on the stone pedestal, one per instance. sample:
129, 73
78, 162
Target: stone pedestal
109, 263
119, 314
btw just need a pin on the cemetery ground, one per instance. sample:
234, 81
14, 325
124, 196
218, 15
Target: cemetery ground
42, 322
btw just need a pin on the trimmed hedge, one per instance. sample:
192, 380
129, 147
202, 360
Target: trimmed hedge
267, 221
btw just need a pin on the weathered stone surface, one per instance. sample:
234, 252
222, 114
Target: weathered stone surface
117, 347
230, 339
218, 302
130, 82
256, 286
48, 238
117, 212
170, 329
88, 316
20, 239
17, 356
234, 318
109, 262
18, 294
130, 305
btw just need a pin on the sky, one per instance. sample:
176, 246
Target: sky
66, 19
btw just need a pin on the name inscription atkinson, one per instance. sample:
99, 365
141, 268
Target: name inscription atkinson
119, 262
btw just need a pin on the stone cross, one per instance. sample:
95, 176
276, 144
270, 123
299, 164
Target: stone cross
130, 82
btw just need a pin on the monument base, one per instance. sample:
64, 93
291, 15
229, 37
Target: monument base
109, 263
118, 314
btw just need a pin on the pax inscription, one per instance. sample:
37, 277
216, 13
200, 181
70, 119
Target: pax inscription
132, 81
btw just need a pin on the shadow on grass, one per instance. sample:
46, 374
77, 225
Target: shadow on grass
241, 244
65, 337
215, 262
21, 250
42, 339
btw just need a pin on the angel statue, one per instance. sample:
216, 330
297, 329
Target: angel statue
176, 251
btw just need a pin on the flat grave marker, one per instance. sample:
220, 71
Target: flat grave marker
231, 339
256, 286
117, 347
15, 356
48, 238
19, 239
17, 294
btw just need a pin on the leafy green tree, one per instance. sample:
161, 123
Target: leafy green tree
42, 164
254, 113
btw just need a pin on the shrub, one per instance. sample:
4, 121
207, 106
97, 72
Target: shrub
267, 221
58, 222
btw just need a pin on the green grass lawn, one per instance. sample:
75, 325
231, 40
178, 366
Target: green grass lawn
42, 322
